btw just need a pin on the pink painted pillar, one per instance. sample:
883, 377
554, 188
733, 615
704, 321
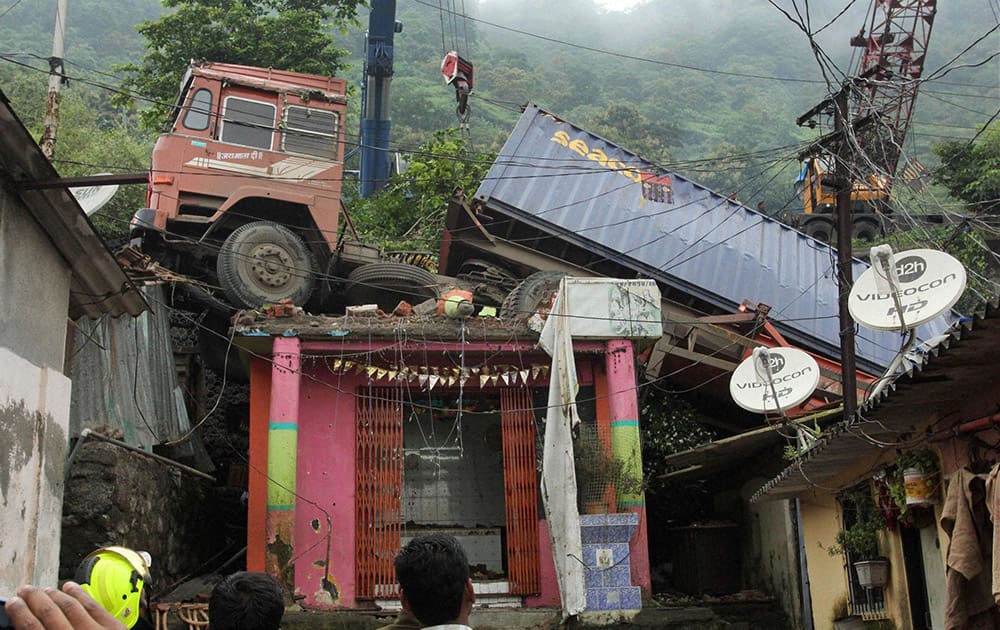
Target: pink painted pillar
626, 446
325, 519
282, 450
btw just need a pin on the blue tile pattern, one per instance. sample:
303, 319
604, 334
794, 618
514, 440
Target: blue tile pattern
606, 536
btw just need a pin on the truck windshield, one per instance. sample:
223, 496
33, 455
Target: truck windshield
248, 123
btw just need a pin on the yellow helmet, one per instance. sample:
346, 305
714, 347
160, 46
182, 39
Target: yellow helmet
114, 576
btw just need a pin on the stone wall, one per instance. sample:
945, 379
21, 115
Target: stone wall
117, 497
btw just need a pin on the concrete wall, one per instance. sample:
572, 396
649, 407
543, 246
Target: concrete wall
771, 558
34, 417
115, 497
34, 289
827, 579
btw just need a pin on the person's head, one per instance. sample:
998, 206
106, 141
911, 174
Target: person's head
246, 601
433, 575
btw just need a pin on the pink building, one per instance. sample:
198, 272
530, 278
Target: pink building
366, 431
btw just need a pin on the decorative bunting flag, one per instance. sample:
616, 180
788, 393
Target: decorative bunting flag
422, 380
432, 380
483, 378
524, 376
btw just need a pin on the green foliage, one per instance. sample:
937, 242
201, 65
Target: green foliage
971, 172
92, 137
626, 126
960, 241
282, 34
922, 459
409, 213
669, 425
860, 540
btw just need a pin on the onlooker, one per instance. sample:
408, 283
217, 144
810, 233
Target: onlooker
405, 620
246, 601
71, 609
433, 575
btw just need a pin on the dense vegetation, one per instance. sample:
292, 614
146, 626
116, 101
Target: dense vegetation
710, 90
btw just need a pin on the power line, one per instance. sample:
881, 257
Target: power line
631, 57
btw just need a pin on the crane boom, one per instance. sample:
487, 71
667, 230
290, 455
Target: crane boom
882, 92
888, 76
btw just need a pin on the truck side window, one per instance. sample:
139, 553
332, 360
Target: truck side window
199, 110
248, 123
310, 131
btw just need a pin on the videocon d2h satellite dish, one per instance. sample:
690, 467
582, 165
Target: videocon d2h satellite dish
930, 282
93, 198
773, 379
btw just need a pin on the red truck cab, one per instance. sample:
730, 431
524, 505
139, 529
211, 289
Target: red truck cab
245, 186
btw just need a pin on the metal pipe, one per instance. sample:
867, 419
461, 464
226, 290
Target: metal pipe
972, 426
87, 433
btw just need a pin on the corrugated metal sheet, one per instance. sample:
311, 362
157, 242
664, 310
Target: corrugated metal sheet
565, 181
124, 378
933, 387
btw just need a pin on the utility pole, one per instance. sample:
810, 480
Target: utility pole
845, 269
57, 77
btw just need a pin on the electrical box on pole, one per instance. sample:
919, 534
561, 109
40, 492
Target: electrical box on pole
375, 121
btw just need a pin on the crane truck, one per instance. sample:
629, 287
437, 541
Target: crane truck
891, 63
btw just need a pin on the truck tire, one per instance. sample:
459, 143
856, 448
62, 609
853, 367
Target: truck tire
531, 295
866, 229
263, 262
818, 227
388, 283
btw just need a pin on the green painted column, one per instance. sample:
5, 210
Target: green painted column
282, 459
626, 447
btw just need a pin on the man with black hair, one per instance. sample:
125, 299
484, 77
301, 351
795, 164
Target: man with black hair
433, 575
246, 601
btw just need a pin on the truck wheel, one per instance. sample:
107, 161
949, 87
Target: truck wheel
531, 295
388, 283
262, 262
866, 229
818, 227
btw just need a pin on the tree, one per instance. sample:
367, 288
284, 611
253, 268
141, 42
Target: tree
626, 126
92, 138
409, 213
283, 34
971, 172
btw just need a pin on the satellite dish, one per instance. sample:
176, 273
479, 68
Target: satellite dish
93, 198
791, 374
930, 282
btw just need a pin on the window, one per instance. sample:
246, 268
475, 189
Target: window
248, 123
310, 131
868, 603
199, 111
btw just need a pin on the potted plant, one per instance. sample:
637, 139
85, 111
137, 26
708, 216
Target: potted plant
859, 541
917, 469
912, 484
